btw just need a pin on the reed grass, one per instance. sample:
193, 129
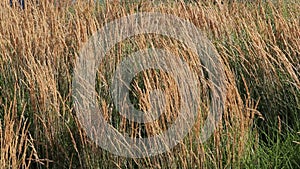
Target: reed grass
259, 46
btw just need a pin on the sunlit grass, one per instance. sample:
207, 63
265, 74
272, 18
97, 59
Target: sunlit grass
259, 46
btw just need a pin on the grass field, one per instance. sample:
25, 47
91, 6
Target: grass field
259, 47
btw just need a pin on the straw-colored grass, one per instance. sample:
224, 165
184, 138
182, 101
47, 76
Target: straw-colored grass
259, 46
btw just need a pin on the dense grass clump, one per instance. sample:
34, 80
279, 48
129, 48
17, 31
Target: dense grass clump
259, 48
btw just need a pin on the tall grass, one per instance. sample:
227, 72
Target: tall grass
260, 50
